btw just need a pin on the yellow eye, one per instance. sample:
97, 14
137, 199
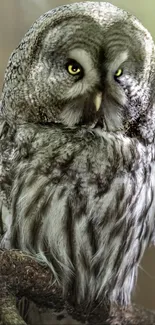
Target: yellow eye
74, 68
118, 73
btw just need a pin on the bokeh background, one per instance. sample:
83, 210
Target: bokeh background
16, 16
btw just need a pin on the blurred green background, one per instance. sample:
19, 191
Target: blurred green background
16, 16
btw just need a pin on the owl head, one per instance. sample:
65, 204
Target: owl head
84, 64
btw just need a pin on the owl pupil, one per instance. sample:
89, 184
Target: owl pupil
75, 68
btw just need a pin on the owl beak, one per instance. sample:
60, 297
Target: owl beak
98, 101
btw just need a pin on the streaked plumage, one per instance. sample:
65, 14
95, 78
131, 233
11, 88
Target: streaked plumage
77, 151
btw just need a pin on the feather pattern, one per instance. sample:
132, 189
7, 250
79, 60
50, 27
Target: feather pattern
88, 210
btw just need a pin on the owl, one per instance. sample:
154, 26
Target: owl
77, 148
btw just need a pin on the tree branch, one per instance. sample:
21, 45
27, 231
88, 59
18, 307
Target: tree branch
21, 275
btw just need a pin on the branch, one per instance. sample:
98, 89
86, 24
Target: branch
21, 275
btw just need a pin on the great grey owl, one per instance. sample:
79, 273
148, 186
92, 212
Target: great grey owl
77, 169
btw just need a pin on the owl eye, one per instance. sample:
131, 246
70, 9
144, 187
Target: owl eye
74, 68
118, 73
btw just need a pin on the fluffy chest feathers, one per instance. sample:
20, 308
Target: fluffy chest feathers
83, 202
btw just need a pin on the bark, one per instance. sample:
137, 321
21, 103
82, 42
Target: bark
22, 276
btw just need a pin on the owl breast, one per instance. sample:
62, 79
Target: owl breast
83, 203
